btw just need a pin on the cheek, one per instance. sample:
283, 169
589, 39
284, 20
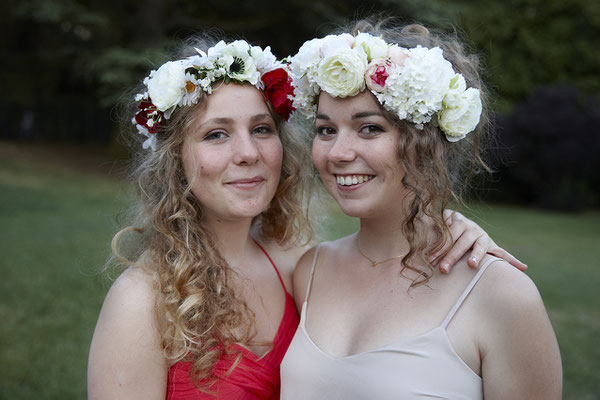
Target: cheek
319, 155
273, 154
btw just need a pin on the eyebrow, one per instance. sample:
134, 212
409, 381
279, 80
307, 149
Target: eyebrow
359, 115
366, 114
224, 120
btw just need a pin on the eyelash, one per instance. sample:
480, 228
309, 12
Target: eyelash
259, 130
370, 131
321, 131
215, 135
265, 130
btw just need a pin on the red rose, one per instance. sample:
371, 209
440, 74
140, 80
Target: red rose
149, 112
278, 86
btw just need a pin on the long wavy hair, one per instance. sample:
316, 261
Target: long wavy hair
198, 313
436, 171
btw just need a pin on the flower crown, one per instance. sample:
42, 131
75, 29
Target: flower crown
179, 83
416, 84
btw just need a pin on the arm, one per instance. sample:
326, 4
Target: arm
519, 352
125, 360
468, 235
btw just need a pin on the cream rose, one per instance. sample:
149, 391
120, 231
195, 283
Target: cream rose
166, 86
374, 47
342, 74
457, 121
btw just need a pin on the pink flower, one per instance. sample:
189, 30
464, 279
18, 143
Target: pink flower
377, 73
397, 54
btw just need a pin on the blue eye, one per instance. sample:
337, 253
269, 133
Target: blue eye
216, 135
263, 130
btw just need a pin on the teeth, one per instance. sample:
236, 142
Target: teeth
352, 179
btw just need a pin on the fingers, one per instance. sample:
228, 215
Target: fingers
512, 260
460, 247
482, 244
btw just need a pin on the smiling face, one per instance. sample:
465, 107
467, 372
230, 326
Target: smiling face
232, 154
356, 153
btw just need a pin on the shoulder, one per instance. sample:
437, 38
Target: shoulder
125, 355
132, 292
505, 289
515, 335
285, 258
304, 268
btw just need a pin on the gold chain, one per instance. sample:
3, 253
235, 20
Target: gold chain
373, 262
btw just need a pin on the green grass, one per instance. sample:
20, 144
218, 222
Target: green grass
56, 225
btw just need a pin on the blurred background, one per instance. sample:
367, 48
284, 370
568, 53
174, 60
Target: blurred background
66, 64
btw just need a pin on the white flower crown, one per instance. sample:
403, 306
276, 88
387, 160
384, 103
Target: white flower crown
416, 84
178, 83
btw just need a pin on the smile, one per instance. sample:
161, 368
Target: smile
349, 180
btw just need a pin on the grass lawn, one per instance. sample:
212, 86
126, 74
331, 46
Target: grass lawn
57, 222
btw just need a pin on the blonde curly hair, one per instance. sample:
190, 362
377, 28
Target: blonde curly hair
197, 310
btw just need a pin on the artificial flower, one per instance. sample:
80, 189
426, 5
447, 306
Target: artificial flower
341, 74
166, 85
377, 73
458, 121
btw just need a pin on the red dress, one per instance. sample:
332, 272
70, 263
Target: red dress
253, 377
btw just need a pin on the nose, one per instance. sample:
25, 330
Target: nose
343, 148
245, 149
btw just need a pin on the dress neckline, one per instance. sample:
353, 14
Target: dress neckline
286, 309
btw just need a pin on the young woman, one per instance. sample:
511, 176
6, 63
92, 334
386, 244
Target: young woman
205, 308
399, 116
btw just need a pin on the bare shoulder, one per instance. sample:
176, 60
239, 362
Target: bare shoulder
515, 335
125, 357
503, 288
285, 258
301, 277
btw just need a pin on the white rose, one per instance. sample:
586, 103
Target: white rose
342, 74
331, 44
457, 121
457, 88
166, 85
374, 47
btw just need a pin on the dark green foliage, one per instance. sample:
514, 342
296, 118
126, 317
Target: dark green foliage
548, 154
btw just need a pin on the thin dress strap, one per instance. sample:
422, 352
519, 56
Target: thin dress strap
466, 292
272, 263
312, 272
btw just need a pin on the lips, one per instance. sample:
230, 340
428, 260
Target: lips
246, 183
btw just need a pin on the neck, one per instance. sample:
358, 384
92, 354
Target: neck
233, 239
381, 239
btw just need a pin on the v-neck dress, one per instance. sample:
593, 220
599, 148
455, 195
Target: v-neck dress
422, 367
253, 378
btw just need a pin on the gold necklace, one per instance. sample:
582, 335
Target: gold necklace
373, 262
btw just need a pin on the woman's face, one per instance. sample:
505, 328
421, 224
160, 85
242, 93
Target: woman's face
356, 152
232, 154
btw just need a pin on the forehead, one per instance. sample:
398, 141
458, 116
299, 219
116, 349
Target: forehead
234, 101
364, 101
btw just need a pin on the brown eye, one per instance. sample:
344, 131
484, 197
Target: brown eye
325, 131
371, 129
